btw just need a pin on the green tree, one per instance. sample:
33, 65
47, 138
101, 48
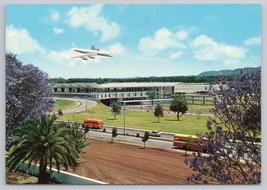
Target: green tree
158, 112
188, 146
151, 96
145, 138
115, 109
114, 133
60, 112
40, 141
77, 133
179, 105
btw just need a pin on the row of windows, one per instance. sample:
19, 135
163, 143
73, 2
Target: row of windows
183, 139
186, 139
121, 95
62, 89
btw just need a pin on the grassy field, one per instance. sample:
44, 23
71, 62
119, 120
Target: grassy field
195, 108
188, 124
63, 104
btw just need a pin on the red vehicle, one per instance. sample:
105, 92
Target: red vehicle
93, 123
181, 141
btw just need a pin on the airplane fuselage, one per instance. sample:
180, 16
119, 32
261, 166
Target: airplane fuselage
93, 52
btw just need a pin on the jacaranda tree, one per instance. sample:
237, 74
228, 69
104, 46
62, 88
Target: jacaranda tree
233, 134
28, 93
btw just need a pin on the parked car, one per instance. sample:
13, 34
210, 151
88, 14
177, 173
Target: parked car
154, 133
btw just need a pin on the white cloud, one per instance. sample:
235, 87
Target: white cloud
116, 49
182, 35
54, 15
57, 30
176, 55
206, 49
162, 39
59, 57
91, 19
19, 41
253, 41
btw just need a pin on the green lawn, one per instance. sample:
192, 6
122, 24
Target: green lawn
195, 108
63, 104
188, 124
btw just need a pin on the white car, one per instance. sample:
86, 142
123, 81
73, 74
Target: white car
154, 133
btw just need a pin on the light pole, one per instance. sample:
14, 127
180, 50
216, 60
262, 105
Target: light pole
86, 102
124, 117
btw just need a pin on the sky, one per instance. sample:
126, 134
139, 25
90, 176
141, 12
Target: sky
146, 39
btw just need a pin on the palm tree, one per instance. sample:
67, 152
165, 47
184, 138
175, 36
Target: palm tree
42, 142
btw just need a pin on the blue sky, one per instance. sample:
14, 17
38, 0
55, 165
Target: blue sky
147, 40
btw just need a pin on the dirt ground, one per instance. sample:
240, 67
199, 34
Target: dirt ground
122, 163
19, 178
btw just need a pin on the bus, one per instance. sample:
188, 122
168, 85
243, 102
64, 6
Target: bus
182, 140
93, 123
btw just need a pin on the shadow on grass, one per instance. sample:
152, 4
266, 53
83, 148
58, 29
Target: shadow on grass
155, 122
172, 120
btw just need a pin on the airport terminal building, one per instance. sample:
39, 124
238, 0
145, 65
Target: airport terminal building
126, 91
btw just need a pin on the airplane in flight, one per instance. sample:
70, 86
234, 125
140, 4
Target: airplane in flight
91, 53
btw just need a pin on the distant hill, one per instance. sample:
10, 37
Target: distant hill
228, 72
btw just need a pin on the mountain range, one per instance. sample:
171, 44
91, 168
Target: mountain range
229, 72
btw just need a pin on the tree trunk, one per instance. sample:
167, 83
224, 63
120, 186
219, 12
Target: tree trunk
178, 116
42, 178
85, 132
112, 139
158, 119
144, 145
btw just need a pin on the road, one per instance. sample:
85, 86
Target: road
81, 105
164, 141
132, 139
133, 132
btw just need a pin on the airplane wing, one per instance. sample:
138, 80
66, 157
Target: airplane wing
86, 56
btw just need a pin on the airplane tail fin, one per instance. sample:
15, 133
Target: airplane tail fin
94, 48
73, 45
